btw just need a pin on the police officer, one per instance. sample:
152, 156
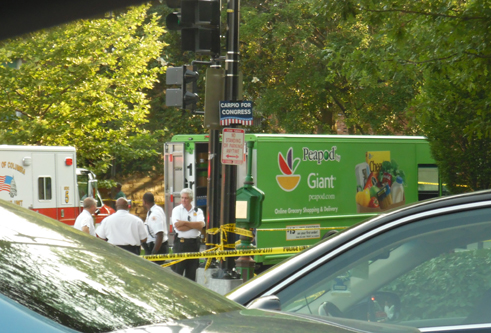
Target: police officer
156, 224
123, 229
84, 221
188, 222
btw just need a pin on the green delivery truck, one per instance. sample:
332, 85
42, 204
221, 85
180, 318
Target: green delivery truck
312, 183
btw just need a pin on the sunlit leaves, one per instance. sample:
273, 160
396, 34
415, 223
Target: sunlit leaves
433, 57
80, 84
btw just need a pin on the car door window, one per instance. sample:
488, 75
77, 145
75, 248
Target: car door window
432, 272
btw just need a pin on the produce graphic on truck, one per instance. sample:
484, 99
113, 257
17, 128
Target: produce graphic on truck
312, 183
46, 180
380, 183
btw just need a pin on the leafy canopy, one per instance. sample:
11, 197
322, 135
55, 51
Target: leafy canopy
386, 67
81, 84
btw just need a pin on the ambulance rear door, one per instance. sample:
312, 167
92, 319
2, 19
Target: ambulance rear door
66, 199
173, 177
44, 184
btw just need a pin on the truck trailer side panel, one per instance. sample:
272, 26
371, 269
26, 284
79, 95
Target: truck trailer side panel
316, 183
313, 182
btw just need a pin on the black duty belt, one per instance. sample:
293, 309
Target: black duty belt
184, 240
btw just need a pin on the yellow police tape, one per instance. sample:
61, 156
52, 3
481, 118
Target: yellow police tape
244, 232
231, 253
218, 250
230, 228
309, 228
140, 202
224, 244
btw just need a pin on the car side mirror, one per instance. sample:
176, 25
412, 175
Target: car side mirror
270, 302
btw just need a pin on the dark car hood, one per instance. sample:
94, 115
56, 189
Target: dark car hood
259, 285
268, 321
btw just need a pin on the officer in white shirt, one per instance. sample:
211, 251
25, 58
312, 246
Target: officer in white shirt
188, 222
84, 221
123, 229
156, 224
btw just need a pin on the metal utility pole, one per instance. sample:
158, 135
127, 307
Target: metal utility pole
213, 195
214, 94
229, 172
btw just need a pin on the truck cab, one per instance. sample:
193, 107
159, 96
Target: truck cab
87, 187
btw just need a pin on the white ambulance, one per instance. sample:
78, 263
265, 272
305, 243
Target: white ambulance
46, 180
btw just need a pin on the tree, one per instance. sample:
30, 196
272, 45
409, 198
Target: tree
297, 69
447, 39
162, 121
81, 84
445, 44
389, 67
463, 159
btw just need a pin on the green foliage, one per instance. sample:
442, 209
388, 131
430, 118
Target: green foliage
106, 184
434, 57
305, 65
283, 69
446, 114
81, 84
143, 153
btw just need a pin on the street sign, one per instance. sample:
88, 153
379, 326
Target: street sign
236, 113
233, 146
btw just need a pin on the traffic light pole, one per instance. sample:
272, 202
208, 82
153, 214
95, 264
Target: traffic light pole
213, 192
232, 60
229, 172
214, 93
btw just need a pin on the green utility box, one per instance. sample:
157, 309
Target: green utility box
249, 207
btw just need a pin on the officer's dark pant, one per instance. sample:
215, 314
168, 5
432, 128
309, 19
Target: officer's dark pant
188, 266
164, 249
133, 249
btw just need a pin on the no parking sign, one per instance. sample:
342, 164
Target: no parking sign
233, 146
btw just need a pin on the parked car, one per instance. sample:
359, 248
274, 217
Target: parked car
54, 278
427, 265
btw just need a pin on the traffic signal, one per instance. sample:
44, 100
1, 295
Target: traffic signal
186, 96
199, 22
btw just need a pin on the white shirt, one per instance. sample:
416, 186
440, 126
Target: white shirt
156, 222
194, 215
85, 220
122, 228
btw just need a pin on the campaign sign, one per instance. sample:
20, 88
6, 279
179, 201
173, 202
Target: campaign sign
235, 113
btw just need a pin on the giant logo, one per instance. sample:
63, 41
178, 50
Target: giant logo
288, 181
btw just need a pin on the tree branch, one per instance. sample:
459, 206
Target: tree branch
43, 113
427, 61
465, 18
477, 55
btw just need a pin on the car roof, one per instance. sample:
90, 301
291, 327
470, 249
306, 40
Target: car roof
279, 272
20, 17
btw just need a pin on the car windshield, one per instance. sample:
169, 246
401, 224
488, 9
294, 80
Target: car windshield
433, 272
87, 284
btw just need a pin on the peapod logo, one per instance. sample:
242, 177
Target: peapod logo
288, 181
321, 155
